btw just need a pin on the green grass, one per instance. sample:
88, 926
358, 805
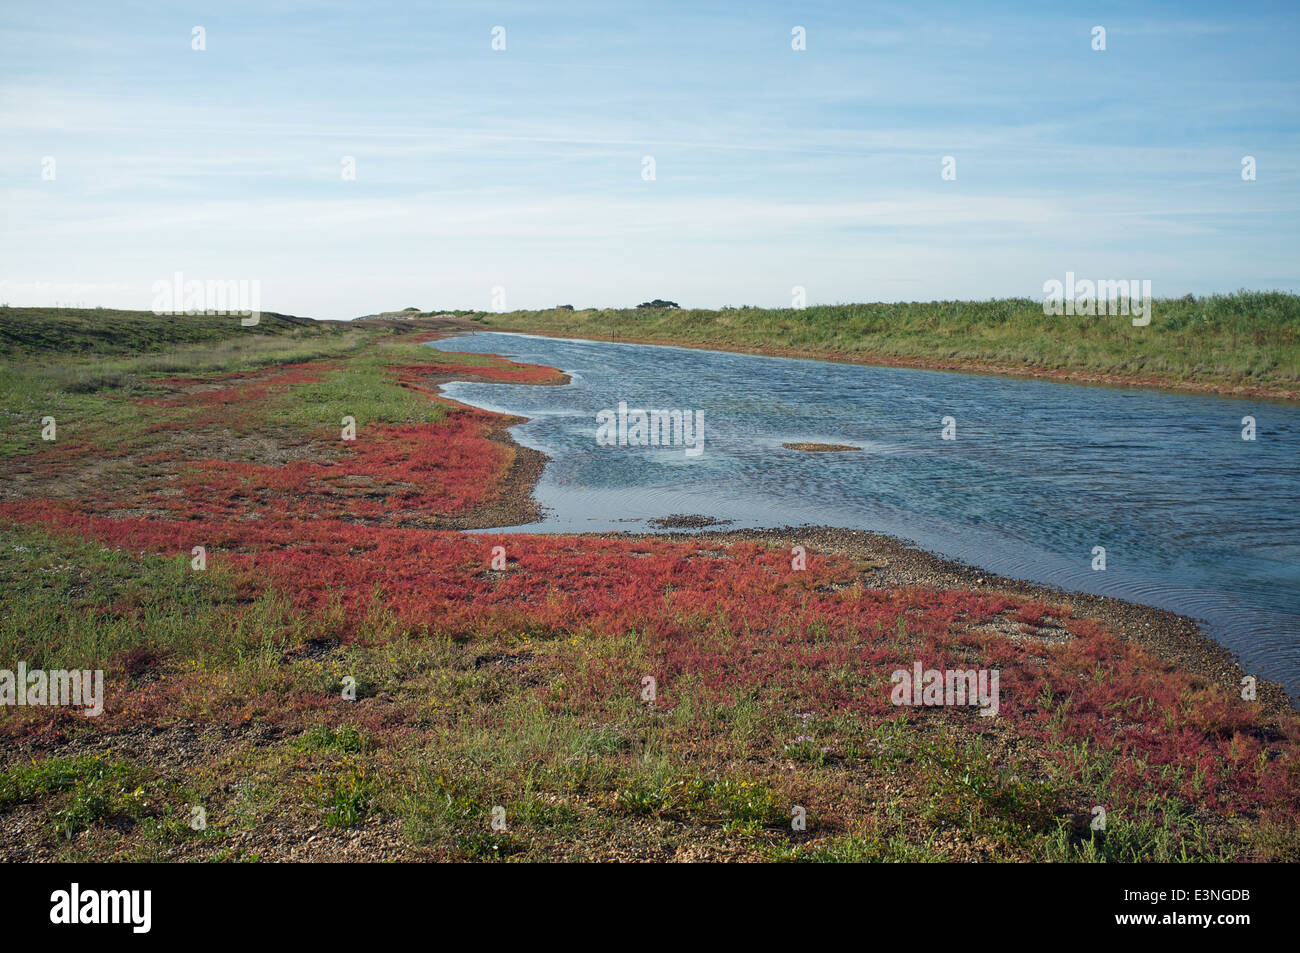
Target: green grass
78, 605
105, 331
346, 796
91, 396
345, 738
66, 365
81, 790
859, 849
1247, 337
86, 368
363, 388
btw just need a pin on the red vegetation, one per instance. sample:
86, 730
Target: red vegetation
392, 472
500, 371
727, 620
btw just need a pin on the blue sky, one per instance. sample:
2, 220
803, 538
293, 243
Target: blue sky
522, 168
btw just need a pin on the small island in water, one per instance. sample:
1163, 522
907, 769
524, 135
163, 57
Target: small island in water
820, 447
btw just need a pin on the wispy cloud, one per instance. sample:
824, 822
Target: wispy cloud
773, 166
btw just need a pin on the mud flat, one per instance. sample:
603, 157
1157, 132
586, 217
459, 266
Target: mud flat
820, 447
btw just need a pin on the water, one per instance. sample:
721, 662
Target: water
1193, 518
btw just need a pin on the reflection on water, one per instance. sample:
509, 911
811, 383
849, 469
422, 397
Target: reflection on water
1192, 517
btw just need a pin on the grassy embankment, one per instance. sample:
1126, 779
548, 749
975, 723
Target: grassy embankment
520, 688
1246, 343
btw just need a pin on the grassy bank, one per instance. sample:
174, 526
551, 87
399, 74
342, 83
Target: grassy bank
348, 676
1229, 343
102, 332
95, 370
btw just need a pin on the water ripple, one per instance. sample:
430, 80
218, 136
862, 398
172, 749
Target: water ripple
1192, 517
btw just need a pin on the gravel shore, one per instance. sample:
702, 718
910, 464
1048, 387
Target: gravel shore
1175, 639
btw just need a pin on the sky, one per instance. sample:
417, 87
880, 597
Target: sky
518, 177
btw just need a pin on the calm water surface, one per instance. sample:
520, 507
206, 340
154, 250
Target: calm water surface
1192, 517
